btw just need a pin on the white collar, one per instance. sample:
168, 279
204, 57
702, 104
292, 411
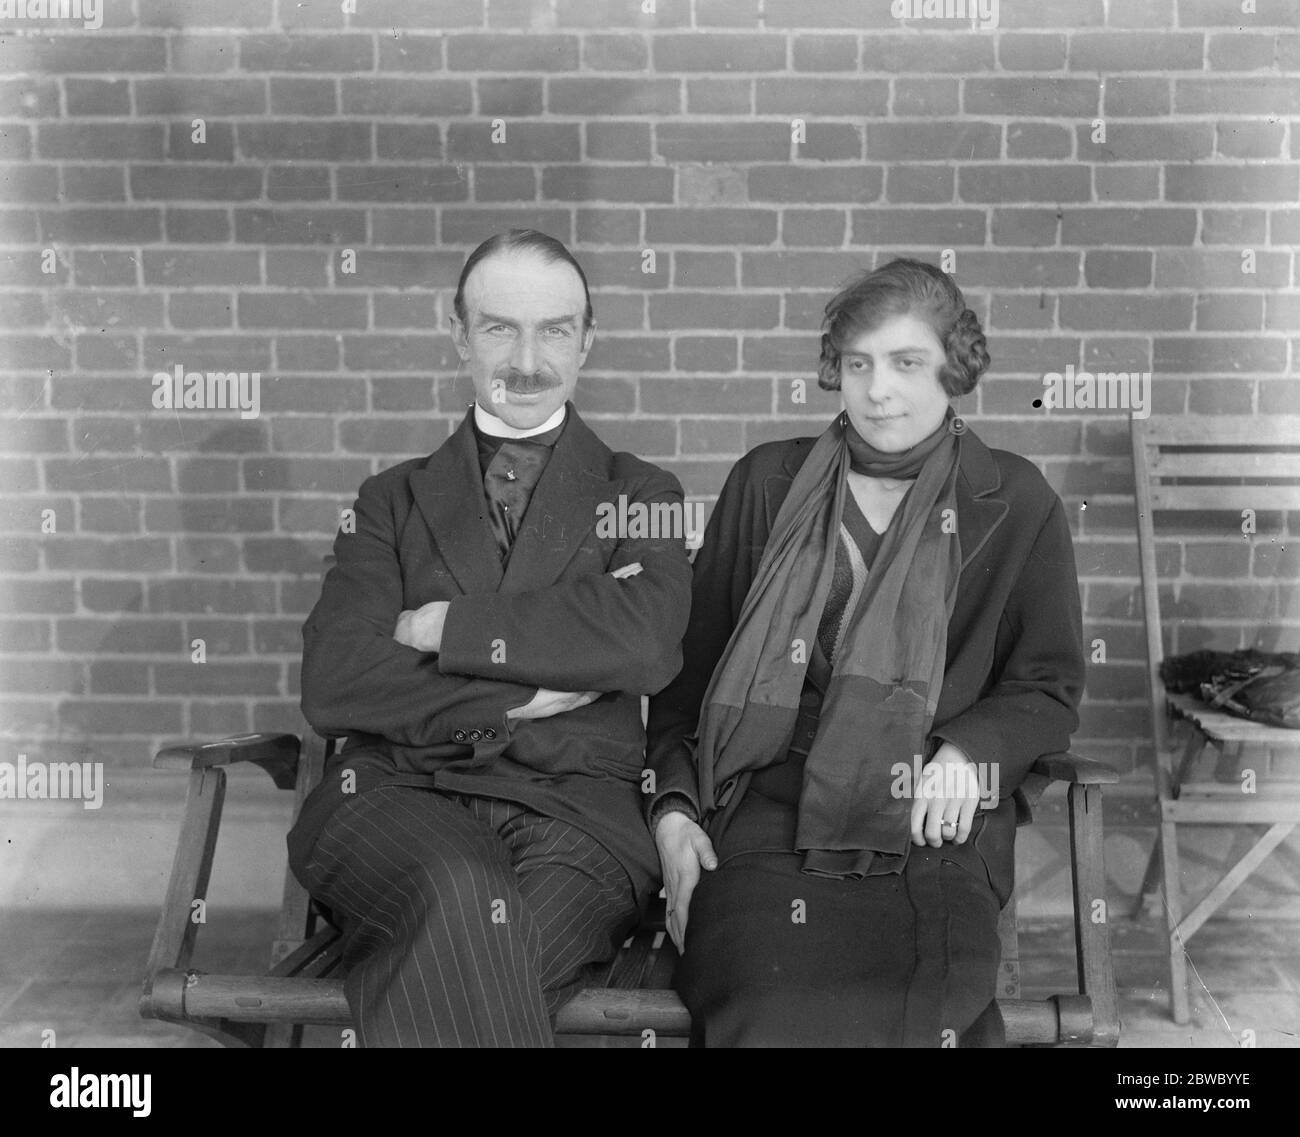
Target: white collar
490, 425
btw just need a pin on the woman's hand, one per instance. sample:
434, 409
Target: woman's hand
945, 802
683, 848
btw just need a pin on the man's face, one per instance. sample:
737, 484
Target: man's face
889, 381
523, 336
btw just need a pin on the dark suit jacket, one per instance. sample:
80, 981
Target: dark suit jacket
554, 618
1015, 664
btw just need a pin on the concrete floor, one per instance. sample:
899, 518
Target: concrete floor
78, 974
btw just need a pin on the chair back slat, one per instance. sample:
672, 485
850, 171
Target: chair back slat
296, 917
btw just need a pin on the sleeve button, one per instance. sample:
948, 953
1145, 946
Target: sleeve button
489, 733
459, 736
475, 735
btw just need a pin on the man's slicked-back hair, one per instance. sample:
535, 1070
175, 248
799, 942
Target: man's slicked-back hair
542, 245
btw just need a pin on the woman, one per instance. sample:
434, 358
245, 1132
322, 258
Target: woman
887, 599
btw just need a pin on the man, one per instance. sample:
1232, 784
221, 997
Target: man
483, 644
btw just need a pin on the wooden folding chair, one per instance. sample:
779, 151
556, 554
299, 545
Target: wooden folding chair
628, 1000
1233, 464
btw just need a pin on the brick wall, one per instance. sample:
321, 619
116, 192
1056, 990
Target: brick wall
130, 248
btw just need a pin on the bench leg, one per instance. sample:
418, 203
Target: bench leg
1173, 917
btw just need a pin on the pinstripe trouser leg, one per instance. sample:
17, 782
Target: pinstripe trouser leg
467, 920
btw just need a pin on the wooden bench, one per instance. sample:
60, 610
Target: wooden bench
626, 998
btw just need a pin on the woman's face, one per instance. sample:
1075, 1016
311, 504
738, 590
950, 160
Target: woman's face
889, 381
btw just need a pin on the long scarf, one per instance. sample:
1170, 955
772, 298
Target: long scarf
888, 673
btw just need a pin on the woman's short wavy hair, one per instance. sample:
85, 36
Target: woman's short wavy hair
905, 287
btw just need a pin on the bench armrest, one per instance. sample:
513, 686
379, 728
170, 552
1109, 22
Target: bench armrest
1078, 771
277, 754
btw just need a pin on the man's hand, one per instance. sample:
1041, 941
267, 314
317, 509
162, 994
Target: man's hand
683, 849
547, 703
421, 628
944, 812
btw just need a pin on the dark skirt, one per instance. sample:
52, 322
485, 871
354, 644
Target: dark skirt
778, 957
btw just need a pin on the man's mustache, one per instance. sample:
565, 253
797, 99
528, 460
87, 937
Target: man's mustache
526, 382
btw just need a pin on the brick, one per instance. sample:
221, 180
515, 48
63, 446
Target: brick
472, 226
1148, 142
186, 14
305, 141
681, 310
588, 95
921, 141
435, 98
716, 52
512, 53
622, 14
1233, 183
216, 678
207, 353
411, 51
218, 143
305, 557
719, 96
1021, 51
209, 267
798, 270
813, 98
202, 53
300, 310
1218, 354
1039, 98
19, 310
1136, 51
623, 269
1283, 312
1126, 183
855, 184
505, 183
196, 226
926, 98
336, 52
1284, 226
298, 183
413, 142
41, 676
637, 354
827, 14
917, 226
1118, 268
197, 310
96, 225
402, 183
32, 597
120, 637
710, 226
337, 475
1090, 227
935, 52
107, 352
1015, 310
1249, 139
35, 353
68, 53
1126, 313
30, 183
95, 97
1240, 95
300, 226
1024, 183
1230, 312
400, 269
1237, 52
195, 183
201, 98
822, 227
704, 353
1137, 96
524, 142
628, 52
1039, 140
516, 98
297, 97
608, 226
104, 310
734, 142
24, 635
618, 141
29, 96
608, 183
703, 270
1018, 269
108, 554
1053, 14
930, 184
825, 53
1218, 13
398, 353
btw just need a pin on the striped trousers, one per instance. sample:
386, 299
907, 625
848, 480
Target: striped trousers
467, 921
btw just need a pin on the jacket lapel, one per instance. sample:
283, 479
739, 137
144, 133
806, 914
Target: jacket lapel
978, 513
448, 490
562, 509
